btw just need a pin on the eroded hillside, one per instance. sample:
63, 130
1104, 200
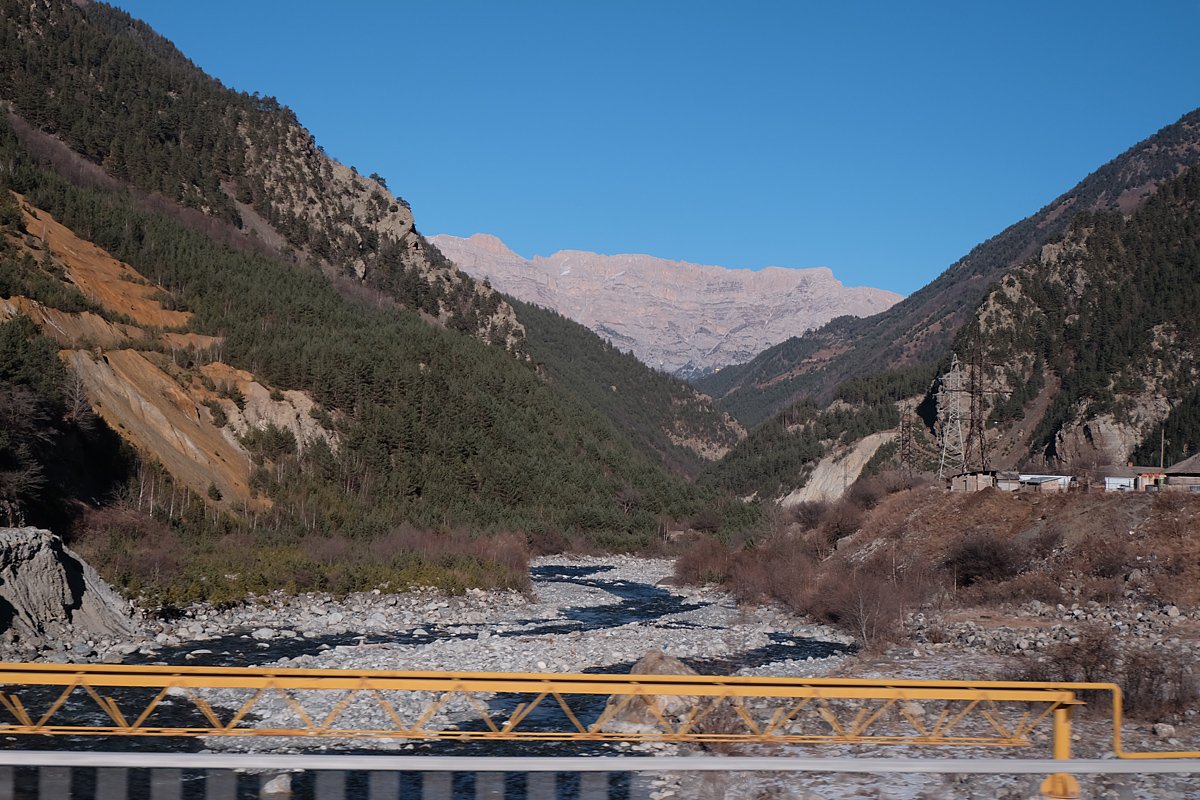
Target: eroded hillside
163, 390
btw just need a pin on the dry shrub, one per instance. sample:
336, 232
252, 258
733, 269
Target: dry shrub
707, 521
895, 480
325, 550
983, 557
1104, 590
122, 543
1049, 537
706, 560
866, 605
1175, 573
1154, 681
1021, 589
870, 599
780, 568
1104, 557
865, 493
509, 551
548, 542
1090, 660
1175, 515
843, 519
810, 514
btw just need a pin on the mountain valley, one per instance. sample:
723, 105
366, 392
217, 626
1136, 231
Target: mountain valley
239, 381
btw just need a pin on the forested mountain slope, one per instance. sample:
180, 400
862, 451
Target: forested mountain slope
1103, 327
416, 424
110, 103
1086, 356
661, 414
350, 410
920, 328
123, 97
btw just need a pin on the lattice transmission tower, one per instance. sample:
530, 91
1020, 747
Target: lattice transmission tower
954, 443
964, 450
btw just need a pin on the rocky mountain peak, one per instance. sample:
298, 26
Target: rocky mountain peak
682, 318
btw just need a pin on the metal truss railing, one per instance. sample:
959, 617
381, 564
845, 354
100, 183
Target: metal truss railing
62, 699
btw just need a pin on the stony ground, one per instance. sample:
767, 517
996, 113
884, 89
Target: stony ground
577, 618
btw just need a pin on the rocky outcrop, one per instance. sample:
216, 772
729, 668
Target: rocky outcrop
837, 471
48, 592
681, 318
641, 713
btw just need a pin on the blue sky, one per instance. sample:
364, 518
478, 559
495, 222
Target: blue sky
880, 139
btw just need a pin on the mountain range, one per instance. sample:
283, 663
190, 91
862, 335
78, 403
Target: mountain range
229, 363
685, 319
920, 329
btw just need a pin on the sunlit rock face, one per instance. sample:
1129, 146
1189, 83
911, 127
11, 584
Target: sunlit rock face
685, 319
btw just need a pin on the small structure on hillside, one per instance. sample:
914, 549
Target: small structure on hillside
1151, 479
1008, 481
972, 481
1184, 476
1121, 479
1045, 484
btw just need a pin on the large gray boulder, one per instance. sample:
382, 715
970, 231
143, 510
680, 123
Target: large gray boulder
640, 714
48, 592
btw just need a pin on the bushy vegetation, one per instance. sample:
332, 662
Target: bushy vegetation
887, 548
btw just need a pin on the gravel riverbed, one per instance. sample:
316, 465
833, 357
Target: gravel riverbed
601, 614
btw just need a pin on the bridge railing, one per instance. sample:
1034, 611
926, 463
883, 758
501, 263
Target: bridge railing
350, 705
174, 776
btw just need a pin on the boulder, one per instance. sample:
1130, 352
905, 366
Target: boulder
44, 588
638, 715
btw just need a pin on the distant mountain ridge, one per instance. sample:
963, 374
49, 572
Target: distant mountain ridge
682, 318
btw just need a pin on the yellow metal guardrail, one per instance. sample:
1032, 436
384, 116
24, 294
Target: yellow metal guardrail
669, 708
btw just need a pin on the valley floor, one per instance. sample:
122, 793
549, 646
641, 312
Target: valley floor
602, 614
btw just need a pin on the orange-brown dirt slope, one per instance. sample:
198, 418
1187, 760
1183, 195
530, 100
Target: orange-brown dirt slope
134, 381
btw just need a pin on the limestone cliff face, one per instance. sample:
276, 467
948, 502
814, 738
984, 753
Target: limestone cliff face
48, 591
685, 319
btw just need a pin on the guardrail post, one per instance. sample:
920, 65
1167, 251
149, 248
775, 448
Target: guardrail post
384, 785
1060, 785
541, 786
330, 785
489, 786
593, 786
54, 782
219, 784
437, 786
166, 784
112, 783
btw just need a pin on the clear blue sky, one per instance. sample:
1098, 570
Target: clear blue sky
880, 139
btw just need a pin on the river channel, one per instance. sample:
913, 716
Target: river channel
599, 611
